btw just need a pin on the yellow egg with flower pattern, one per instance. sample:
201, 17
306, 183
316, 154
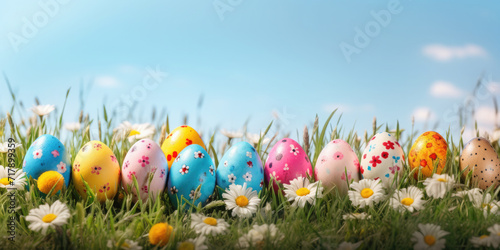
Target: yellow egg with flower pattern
97, 165
177, 140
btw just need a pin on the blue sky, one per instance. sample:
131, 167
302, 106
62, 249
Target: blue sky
262, 57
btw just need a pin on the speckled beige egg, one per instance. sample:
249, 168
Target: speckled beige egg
481, 158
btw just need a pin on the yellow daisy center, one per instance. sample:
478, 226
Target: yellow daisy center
429, 240
5, 181
302, 192
124, 245
48, 180
134, 132
366, 192
487, 206
242, 201
442, 180
407, 201
160, 233
186, 246
210, 221
483, 236
48, 218
498, 233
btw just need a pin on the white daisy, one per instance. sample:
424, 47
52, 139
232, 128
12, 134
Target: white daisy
259, 235
4, 146
127, 244
42, 110
356, 216
301, 191
208, 225
248, 176
349, 246
429, 237
484, 241
231, 134
494, 230
249, 154
37, 154
439, 185
17, 178
61, 167
134, 132
366, 192
242, 200
470, 193
72, 126
408, 199
485, 203
193, 244
231, 178
47, 216
254, 138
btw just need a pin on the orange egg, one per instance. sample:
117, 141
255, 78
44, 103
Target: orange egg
177, 140
428, 149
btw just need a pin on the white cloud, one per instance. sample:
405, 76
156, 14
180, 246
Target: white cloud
445, 89
107, 81
423, 114
485, 116
445, 53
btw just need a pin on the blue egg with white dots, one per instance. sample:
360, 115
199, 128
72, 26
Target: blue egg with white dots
192, 168
241, 164
47, 153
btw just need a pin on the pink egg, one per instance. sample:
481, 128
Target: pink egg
286, 161
143, 160
333, 162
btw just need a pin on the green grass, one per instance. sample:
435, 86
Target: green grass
313, 227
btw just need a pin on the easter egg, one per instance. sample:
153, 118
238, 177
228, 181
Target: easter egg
177, 140
285, 162
382, 159
192, 168
97, 165
337, 164
428, 149
241, 164
145, 160
47, 153
481, 158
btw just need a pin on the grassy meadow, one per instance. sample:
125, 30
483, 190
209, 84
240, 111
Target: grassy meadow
319, 226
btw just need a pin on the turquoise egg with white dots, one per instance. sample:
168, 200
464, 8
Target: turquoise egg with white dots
241, 164
191, 177
47, 153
